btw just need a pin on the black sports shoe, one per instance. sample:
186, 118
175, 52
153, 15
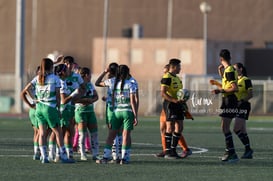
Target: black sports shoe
103, 160
172, 155
231, 158
161, 154
248, 154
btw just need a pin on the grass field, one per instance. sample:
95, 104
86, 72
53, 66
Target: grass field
203, 135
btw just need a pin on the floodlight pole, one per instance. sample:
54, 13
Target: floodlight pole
169, 19
105, 37
19, 54
105, 32
34, 29
205, 9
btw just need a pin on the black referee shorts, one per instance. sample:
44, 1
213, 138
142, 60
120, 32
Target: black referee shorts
243, 110
229, 106
174, 111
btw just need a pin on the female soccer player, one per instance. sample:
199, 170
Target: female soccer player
73, 82
125, 115
66, 107
85, 116
111, 70
47, 87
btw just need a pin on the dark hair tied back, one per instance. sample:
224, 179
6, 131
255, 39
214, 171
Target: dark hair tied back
59, 69
84, 71
241, 66
225, 54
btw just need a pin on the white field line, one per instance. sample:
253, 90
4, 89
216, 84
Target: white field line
261, 129
195, 150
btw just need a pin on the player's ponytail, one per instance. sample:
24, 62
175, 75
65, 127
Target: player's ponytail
45, 68
124, 73
241, 66
115, 85
84, 72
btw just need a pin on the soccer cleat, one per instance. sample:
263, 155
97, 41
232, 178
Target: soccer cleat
68, 160
117, 161
36, 157
95, 157
169, 156
83, 157
70, 155
186, 153
231, 158
103, 161
172, 155
123, 162
57, 158
160, 155
44, 160
51, 158
248, 154
225, 156
65, 159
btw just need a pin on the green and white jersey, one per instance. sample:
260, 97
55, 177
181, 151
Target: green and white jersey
46, 94
89, 93
64, 90
122, 98
73, 81
33, 93
109, 83
134, 82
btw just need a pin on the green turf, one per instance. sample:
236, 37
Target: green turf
204, 132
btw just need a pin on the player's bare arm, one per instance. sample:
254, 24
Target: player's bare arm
99, 81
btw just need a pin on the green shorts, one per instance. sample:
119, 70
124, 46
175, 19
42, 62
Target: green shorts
82, 114
32, 117
47, 115
125, 118
109, 113
67, 116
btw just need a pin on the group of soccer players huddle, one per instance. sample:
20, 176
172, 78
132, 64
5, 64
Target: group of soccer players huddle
61, 98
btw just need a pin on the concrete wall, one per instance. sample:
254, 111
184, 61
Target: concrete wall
147, 56
70, 26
